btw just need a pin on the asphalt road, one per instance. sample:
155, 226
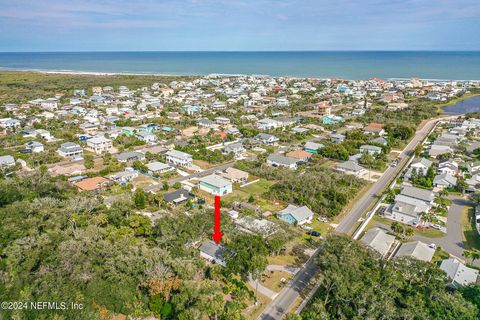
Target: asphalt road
281, 304
351, 219
284, 300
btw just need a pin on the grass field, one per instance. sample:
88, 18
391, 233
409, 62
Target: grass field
273, 279
471, 238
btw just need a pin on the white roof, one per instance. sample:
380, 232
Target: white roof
156, 166
378, 240
417, 250
458, 272
215, 181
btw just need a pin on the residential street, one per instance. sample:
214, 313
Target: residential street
281, 304
376, 189
284, 300
452, 242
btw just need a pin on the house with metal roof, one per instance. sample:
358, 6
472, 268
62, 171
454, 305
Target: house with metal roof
213, 252
178, 196
215, 185
313, 147
179, 158
157, 167
70, 150
295, 215
129, 156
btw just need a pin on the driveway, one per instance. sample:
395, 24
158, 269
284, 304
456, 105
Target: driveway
452, 242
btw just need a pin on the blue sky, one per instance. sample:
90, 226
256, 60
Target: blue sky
111, 25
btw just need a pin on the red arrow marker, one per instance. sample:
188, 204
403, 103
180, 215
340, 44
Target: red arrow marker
217, 235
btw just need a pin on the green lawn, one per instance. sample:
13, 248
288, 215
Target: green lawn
471, 238
429, 233
259, 187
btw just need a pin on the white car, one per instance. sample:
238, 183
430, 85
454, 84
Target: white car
323, 219
307, 228
432, 245
436, 226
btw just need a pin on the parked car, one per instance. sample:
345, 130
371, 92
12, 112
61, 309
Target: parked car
323, 219
307, 228
313, 233
432, 245
436, 226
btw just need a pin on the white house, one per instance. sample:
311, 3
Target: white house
444, 180
351, 167
372, 150
99, 144
157, 167
179, 158
266, 138
34, 146
6, 161
147, 137
460, 274
276, 160
378, 240
417, 250
70, 150
267, 124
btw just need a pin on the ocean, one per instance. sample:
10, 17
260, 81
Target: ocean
320, 64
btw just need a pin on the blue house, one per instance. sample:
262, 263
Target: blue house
313, 147
331, 119
296, 215
188, 109
215, 185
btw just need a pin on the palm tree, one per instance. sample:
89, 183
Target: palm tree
426, 217
397, 228
473, 254
409, 232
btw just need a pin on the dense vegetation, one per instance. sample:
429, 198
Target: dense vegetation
18, 87
323, 191
57, 244
356, 284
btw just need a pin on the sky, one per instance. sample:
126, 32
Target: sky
238, 25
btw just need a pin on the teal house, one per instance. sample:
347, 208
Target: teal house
215, 185
331, 119
313, 147
295, 215
128, 131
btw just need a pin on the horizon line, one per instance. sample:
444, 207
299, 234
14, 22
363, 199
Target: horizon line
236, 51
